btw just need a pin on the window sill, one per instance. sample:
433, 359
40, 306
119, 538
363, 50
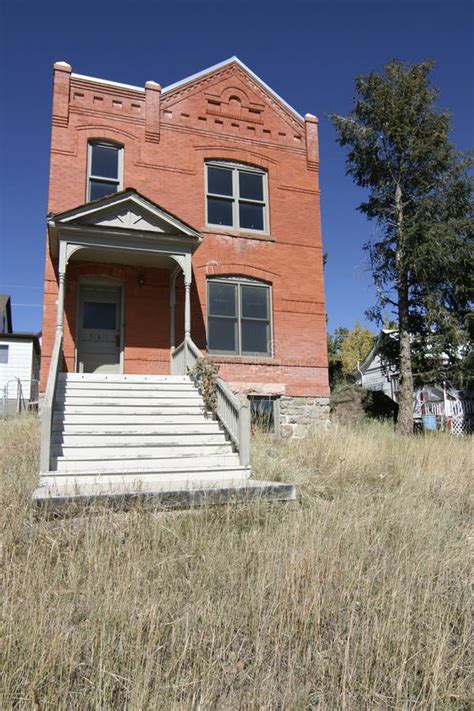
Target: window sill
243, 360
229, 232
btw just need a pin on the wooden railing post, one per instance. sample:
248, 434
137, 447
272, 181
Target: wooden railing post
244, 434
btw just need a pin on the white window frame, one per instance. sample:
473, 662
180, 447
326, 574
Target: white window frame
235, 197
241, 281
90, 177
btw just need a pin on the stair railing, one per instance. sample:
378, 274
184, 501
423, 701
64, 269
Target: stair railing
47, 412
178, 360
233, 414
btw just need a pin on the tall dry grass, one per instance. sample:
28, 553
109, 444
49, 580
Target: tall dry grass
356, 597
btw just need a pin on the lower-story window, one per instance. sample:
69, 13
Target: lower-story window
239, 317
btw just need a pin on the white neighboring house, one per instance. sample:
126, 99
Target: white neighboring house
19, 364
373, 374
454, 409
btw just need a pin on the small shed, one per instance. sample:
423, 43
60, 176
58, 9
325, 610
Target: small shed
19, 371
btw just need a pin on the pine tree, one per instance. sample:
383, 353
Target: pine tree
420, 195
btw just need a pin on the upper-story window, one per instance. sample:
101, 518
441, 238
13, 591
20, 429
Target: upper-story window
104, 174
239, 317
3, 354
236, 197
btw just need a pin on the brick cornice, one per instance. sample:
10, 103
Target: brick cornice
233, 138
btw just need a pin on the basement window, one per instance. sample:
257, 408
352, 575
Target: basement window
104, 172
264, 413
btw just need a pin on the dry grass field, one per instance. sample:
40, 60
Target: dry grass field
355, 597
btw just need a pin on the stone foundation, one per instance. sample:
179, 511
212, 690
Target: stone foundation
299, 415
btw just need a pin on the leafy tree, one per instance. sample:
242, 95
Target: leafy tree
346, 349
419, 194
355, 347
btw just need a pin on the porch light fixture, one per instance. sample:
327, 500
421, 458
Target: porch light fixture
141, 280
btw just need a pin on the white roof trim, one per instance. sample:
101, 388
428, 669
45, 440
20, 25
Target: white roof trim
198, 75
223, 64
108, 82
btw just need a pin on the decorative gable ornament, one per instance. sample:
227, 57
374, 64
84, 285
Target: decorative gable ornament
126, 210
228, 84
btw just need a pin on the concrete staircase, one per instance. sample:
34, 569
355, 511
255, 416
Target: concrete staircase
116, 429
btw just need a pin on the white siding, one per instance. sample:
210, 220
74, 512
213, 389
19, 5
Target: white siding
376, 377
20, 365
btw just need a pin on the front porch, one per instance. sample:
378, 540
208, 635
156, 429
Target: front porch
119, 358
122, 261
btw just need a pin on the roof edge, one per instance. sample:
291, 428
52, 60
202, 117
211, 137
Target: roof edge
227, 62
108, 82
198, 75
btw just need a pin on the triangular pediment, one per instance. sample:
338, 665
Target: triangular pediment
128, 211
231, 96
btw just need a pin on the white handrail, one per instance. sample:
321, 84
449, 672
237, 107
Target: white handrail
48, 404
233, 414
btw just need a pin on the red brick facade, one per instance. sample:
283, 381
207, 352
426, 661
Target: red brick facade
167, 136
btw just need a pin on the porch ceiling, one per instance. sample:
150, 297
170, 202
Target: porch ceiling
128, 257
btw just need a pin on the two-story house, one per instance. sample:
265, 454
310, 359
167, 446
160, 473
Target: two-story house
182, 221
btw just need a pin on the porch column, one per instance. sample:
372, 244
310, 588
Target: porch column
62, 289
187, 297
60, 313
173, 309
187, 309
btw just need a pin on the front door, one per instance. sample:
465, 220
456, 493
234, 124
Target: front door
99, 329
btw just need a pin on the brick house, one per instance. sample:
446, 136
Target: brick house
186, 219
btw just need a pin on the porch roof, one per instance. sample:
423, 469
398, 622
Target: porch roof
124, 210
126, 227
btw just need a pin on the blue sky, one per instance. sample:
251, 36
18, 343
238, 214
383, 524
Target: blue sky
308, 51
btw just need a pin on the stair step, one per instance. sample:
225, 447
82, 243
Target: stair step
130, 412
116, 423
99, 438
115, 393
128, 387
68, 478
108, 452
138, 402
139, 464
119, 378
173, 419
131, 402
158, 492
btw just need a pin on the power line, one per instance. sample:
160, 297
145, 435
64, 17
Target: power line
19, 286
